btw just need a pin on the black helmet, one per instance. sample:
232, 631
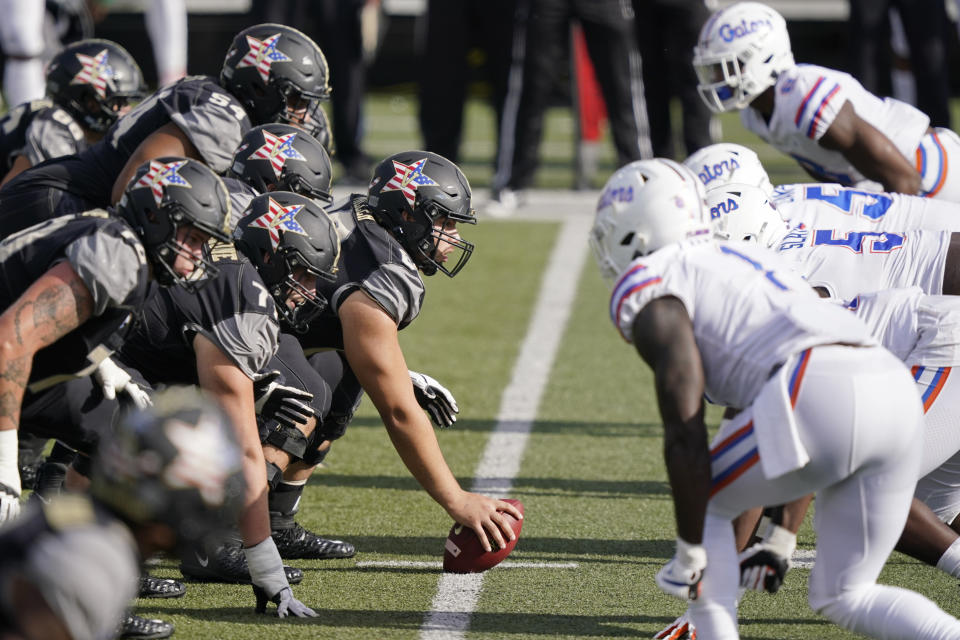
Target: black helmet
177, 463
412, 191
274, 71
93, 80
281, 231
163, 195
281, 157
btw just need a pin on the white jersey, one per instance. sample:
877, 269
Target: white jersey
849, 209
807, 99
750, 311
917, 328
848, 263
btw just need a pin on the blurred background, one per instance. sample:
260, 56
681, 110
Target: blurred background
380, 52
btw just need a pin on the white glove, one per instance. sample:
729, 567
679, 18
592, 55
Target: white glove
435, 399
679, 629
289, 406
681, 576
9, 475
764, 565
112, 379
270, 581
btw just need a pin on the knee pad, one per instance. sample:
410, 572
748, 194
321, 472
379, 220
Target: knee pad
314, 456
274, 475
289, 440
334, 426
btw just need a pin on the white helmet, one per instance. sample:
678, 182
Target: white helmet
644, 206
719, 164
741, 51
744, 213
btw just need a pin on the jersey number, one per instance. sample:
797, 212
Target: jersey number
878, 241
221, 100
866, 204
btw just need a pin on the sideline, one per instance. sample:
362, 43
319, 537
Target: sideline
457, 594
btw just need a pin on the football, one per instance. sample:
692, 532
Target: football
462, 552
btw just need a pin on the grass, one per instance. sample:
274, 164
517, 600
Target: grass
592, 479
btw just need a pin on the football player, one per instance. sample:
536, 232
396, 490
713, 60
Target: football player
71, 284
166, 476
406, 225
703, 314
272, 73
835, 129
278, 157
89, 85
221, 337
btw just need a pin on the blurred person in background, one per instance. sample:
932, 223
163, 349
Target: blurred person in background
666, 33
925, 26
454, 28
542, 30
21, 38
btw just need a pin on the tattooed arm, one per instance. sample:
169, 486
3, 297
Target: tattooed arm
56, 304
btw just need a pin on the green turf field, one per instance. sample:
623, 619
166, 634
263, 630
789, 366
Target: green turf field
592, 479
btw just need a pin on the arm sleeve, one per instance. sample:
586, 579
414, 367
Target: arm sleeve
639, 284
812, 104
111, 268
398, 290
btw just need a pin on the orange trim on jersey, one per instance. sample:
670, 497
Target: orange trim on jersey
935, 391
943, 170
742, 469
736, 435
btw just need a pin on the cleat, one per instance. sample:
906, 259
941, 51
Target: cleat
297, 542
133, 626
227, 564
152, 587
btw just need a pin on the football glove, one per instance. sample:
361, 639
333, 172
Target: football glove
681, 576
270, 581
764, 565
9, 503
287, 405
112, 379
435, 399
679, 629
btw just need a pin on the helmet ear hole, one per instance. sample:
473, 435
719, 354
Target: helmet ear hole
627, 239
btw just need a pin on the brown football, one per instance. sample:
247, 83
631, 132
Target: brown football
462, 552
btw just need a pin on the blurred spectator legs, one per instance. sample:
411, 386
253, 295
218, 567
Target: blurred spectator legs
167, 26
667, 31
21, 37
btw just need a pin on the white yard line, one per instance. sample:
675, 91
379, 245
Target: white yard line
457, 594
437, 564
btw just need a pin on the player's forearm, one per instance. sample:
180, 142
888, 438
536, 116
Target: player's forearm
879, 160
14, 373
417, 445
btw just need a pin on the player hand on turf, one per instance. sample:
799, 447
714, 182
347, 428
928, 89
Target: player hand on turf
9, 503
764, 565
679, 629
287, 405
286, 603
112, 379
483, 515
435, 399
681, 576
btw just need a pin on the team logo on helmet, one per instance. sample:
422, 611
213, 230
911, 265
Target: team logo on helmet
279, 218
262, 55
197, 465
94, 71
278, 149
408, 178
160, 175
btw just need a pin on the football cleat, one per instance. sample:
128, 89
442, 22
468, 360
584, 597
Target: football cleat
227, 564
133, 626
297, 542
152, 587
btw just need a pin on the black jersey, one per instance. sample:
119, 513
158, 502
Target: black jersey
233, 310
212, 119
38, 130
241, 194
371, 260
108, 257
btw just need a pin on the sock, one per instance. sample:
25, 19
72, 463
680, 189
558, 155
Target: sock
284, 503
949, 562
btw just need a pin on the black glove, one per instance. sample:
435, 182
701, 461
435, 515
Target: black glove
435, 399
287, 405
764, 565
